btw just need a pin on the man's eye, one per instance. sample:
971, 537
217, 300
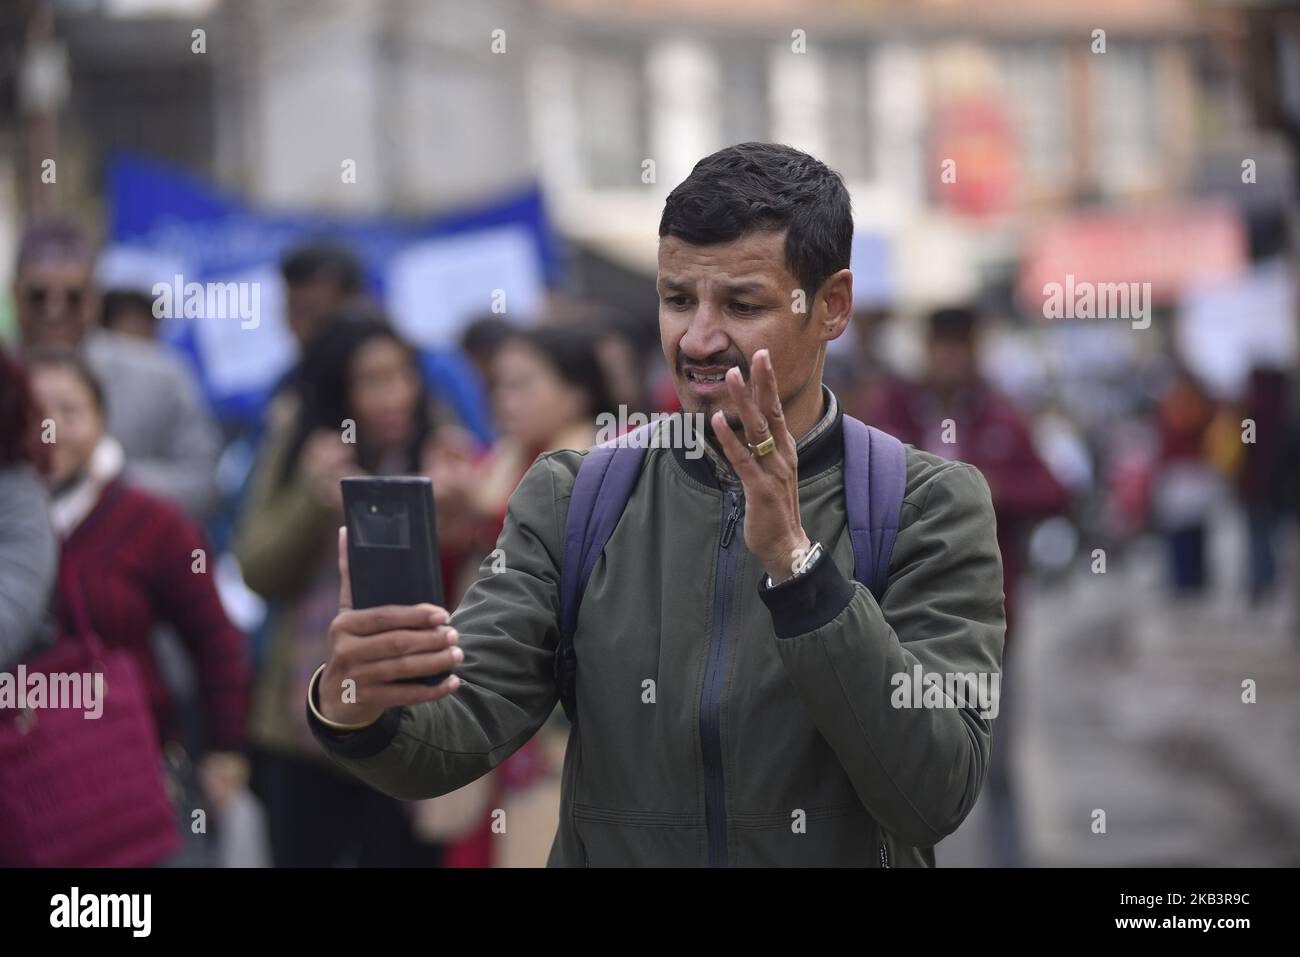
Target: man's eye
745, 308
677, 302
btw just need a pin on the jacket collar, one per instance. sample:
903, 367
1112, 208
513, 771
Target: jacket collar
75, 500
820, 448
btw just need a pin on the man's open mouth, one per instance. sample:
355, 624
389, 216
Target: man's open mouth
695, 375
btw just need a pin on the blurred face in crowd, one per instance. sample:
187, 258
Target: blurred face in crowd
618, 356
721, 303
951, 362
78, 421
56, 302
533, 403
135, 321
384, 387
310, 305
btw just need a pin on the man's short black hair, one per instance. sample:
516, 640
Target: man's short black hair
323, 260
757, 186
124, 302
958, 324
485, 335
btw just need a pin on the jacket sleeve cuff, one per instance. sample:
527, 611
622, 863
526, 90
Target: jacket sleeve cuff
365, 743
806, 603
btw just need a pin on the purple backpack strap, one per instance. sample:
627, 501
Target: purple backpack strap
875, 480
600, 493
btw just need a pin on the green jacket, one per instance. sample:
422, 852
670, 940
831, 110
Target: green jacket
285, 544
718, 723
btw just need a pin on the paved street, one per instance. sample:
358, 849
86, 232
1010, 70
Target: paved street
1131, 703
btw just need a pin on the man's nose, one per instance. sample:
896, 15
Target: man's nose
704, 337
53, 307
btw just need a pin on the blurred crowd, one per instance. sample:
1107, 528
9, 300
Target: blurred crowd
206, 551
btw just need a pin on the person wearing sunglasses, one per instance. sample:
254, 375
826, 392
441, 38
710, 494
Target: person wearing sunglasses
155, 409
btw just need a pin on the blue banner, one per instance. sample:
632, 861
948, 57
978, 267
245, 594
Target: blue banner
188, 244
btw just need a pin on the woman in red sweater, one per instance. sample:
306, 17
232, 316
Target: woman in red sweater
139, 562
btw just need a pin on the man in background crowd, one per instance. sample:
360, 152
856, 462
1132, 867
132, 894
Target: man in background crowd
954, 412
1262, 483
153, 405
320, 278
129, 312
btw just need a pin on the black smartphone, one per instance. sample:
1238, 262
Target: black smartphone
393, 545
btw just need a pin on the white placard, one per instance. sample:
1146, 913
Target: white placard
238, 355
1225, 328
435, 287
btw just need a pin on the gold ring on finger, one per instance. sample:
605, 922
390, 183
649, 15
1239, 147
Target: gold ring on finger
763, 448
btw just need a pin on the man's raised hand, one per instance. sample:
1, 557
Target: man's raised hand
773, 528
371, 649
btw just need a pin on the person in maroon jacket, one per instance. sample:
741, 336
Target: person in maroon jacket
955, 413
140, 561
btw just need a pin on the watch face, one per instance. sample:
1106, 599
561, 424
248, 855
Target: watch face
809, 559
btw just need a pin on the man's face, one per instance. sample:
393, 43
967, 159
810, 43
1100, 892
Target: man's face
720, 304
951, 363
56, 303
309, 307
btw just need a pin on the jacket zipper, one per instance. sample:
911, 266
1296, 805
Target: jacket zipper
715, 804
884, 855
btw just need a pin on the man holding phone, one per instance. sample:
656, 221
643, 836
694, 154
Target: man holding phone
737, 696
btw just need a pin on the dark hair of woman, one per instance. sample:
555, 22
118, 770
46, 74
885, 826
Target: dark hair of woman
571, 352
324, 381
70, 362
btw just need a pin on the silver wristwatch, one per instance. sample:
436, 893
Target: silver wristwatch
804, 566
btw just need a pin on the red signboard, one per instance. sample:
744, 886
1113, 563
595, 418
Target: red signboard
1170, 250
973, 157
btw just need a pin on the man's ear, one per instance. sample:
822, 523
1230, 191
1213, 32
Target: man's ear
837, 300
